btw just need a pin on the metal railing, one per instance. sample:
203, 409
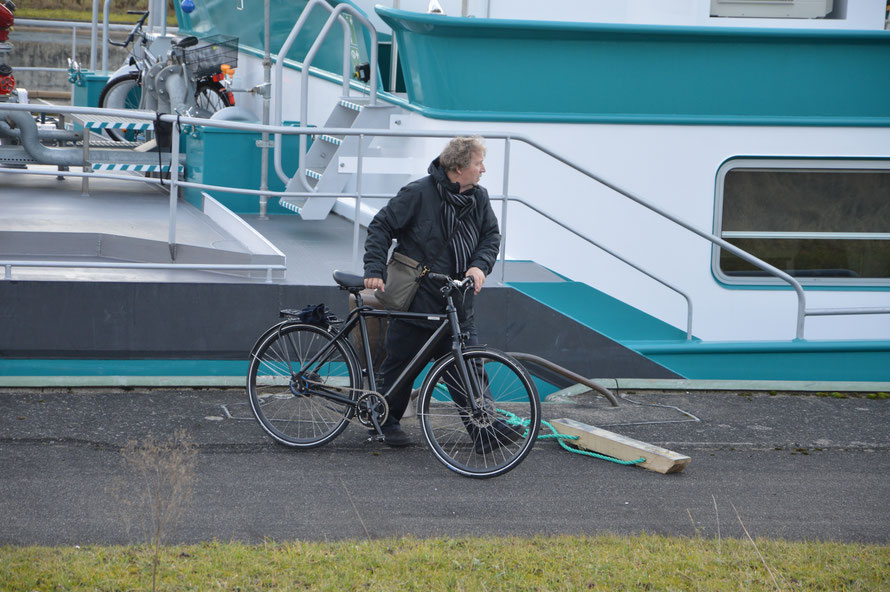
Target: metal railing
175, 184
267, 269
93, 26
336, 15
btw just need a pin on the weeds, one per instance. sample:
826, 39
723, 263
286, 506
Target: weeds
159, 489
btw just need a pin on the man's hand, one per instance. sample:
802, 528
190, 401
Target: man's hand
476, 274
374, 284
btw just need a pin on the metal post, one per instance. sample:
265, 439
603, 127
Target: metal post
347, 58
164, 19
267, 78
174, 179
94, 31
394, 56
358, 203
73, 49
106, 13
85, 182
504, 209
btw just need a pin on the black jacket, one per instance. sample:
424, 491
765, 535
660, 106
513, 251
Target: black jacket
413, 218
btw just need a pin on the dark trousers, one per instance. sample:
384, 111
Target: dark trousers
403, 341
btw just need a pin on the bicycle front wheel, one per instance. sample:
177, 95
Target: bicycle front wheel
289, 413
495, 437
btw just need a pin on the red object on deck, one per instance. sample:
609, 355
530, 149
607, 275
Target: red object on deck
6, 20
7, 81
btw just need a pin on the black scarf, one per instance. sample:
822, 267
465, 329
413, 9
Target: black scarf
458, 222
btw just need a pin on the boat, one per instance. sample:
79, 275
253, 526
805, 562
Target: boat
689, 190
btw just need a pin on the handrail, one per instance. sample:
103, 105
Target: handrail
335, 15
801, 297
279, 67
584, 237
51, 24
553, 367
307, 63
267, 267
802, 312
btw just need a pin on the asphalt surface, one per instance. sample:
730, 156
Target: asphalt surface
785, 466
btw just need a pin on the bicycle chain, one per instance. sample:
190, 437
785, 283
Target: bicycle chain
346, 390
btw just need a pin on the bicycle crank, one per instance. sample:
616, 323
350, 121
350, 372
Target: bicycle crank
371, 408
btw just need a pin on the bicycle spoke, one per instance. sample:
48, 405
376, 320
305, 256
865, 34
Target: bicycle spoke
463, 425
280, 374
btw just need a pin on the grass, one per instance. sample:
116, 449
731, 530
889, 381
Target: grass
64, 14
603, 562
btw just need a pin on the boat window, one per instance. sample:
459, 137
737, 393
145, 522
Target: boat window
823, 222
800, 9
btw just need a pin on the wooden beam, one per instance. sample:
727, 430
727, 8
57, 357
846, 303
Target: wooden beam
621, 447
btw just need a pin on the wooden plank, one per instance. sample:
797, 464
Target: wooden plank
621, 447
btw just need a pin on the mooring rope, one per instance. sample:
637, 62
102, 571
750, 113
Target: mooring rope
513, 419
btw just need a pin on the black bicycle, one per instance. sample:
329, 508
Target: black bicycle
478, 407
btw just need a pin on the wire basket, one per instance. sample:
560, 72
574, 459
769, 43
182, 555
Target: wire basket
205, 58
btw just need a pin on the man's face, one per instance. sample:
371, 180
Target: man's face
471, 174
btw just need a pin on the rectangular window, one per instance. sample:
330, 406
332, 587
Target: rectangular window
823, 222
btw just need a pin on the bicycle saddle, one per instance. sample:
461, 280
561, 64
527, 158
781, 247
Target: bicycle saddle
349, 281
187, 41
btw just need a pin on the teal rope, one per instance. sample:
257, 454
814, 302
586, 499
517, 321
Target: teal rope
515, 420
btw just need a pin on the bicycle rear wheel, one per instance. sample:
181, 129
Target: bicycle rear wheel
491, 441
211, 97
288, 413
121, 92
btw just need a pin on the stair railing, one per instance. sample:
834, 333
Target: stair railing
506, 198
336, 14
802, 311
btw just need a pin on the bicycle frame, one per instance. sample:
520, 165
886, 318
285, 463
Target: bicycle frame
358, 317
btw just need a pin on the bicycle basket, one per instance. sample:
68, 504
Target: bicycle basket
205, 58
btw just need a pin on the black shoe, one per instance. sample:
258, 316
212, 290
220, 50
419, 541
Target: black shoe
507, 433
499, 434
395, 436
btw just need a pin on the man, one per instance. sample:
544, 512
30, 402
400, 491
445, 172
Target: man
444, 221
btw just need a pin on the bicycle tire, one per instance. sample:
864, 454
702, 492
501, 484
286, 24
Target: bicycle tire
121, 92
486, 445
290, 418
210, 97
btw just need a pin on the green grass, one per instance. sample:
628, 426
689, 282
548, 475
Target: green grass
62, 14
604, 562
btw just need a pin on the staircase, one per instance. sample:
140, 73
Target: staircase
327, 166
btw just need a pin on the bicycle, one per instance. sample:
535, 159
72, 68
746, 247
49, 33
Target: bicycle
124, 88
305, 384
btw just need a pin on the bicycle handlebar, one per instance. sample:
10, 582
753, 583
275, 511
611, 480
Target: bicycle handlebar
136, 28
467, 282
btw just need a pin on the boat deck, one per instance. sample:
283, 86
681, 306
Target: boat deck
46, 218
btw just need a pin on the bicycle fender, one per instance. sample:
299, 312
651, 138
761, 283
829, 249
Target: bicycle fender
271, 330
126, 68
